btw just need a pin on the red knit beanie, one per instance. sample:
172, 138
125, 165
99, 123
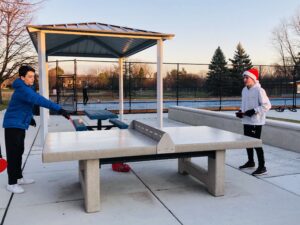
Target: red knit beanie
253, 73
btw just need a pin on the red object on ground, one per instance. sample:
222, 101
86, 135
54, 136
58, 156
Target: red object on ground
120, 167
3, 165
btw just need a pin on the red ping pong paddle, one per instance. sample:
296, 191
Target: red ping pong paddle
3, 163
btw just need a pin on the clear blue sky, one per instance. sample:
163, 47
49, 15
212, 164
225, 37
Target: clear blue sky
199, 26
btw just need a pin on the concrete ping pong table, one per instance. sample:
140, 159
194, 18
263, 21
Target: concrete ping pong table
143, 142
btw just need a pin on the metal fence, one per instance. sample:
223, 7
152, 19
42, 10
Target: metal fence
184, 84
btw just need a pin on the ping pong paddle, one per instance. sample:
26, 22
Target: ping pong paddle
3, 163
239, 114
120, 167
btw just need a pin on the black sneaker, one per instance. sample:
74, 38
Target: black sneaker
247, 165
260, 171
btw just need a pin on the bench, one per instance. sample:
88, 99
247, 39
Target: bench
79, 126
118, 123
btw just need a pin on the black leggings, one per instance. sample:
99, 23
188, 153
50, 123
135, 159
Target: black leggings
254, 131
14, 141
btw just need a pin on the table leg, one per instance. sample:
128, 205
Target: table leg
99, 125
181, 165
89, 176
80, 169
186, 166
213, 177
216, 173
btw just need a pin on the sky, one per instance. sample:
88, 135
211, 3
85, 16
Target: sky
200, 26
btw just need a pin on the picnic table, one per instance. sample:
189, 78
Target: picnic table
100, 115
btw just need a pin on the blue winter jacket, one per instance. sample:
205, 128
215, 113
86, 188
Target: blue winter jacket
19, 111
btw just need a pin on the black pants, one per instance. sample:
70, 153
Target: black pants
254, 131
85, 99
14, 141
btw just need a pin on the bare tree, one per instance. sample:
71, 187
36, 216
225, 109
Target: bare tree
296, 25
15, 44
278, 42
286, 39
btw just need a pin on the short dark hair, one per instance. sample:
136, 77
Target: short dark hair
24, 70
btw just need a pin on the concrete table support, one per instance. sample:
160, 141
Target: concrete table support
89, 177
213, 178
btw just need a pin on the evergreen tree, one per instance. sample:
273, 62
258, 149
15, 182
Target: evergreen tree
216, 83
240, 62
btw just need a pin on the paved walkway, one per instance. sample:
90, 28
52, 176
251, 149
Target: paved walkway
153, 193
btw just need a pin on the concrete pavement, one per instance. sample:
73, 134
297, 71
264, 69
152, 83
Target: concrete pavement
153, 193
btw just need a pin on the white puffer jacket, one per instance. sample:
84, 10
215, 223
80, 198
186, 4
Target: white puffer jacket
257, 99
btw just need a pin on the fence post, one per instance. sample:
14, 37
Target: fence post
259, 71
57, 84
220, 92
74, 85
294, 88
177, 85
195, 88
129, 91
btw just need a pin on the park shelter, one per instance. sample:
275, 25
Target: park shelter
94, 40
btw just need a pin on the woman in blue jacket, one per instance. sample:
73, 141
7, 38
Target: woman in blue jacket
17, 119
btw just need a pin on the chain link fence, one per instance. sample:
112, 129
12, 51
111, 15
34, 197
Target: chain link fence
185, 84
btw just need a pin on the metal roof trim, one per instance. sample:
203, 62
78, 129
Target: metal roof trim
138, 33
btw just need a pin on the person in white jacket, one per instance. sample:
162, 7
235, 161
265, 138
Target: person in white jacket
255, 104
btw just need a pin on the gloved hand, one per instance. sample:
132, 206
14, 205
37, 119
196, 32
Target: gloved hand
64, 113
32, 122
250, 112
239, 114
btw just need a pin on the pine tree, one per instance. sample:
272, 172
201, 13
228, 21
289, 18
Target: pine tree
217, 76
240, 62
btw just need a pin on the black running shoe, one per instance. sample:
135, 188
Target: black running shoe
260, 171
247, 165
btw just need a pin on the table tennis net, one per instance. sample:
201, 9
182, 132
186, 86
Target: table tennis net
164, 142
